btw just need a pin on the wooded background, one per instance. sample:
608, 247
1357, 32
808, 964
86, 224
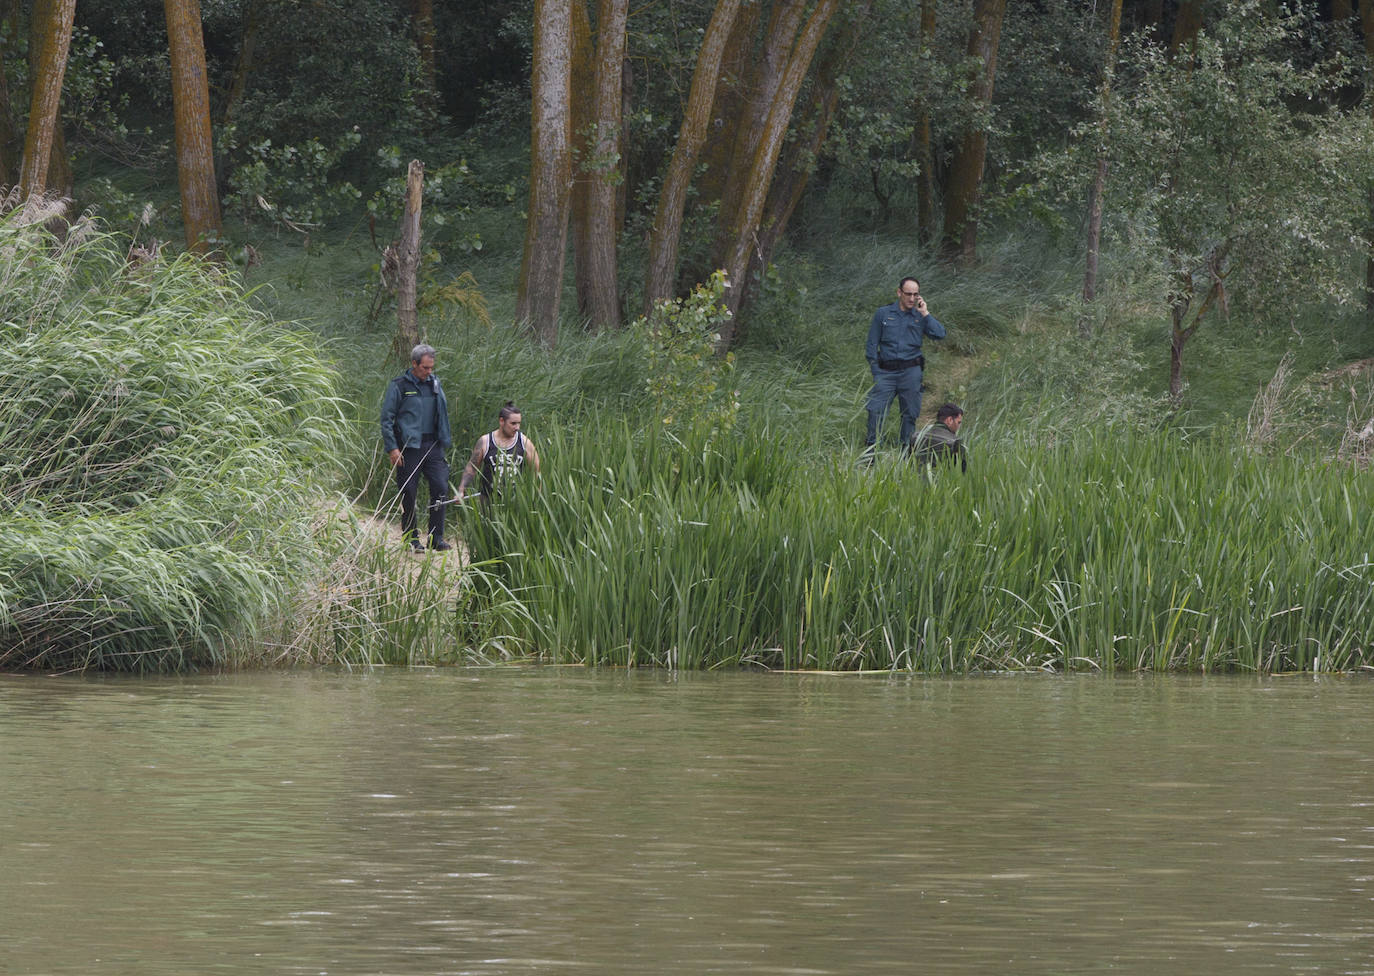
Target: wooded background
1220, 149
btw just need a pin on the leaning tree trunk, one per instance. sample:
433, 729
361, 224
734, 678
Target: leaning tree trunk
737, 64
966, 169
546, 228
745, 222
661, 274
795, 170
51, 38
760, 91
243, 65
194, 140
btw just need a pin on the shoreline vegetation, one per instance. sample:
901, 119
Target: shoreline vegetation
190, 483
1107, 551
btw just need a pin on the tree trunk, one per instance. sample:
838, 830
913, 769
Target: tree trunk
924, 150
1178, 338
583, 128
744, 223
736, 67
966, 170
9, 159
243, 65
194, 140
760, 92
1151, 17
795, 170
1185, 295
546, 229
61, 180
408, 263
598, 179
1099, 186
1341, 11
238, 84
627, 107
661, 273
51, 39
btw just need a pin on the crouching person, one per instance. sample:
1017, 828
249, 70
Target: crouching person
939, 444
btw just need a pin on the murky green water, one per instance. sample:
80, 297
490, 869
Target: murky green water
537, 821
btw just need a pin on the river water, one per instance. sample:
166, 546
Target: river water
520, 821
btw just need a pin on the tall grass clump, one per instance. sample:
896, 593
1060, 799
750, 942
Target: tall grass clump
163, 445
1121, 550
370, 602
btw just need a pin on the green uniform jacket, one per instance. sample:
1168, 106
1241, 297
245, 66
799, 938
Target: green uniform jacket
401, 413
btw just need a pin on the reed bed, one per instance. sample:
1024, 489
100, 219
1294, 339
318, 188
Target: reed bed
163, 444
1120, 551
371, 602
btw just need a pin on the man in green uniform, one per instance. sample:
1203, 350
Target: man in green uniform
415, 434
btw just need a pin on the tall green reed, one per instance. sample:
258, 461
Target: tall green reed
1117, 551
164, 446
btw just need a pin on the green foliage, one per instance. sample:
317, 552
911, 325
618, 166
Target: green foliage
1049, 66
297, 177
450, 193
134, 32
307, 131
1229, 169
1065, 382
689, 383
163, 442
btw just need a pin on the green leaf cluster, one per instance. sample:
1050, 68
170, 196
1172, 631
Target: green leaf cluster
691, 384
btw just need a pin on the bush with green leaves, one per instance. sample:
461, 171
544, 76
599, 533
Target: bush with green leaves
690, 384
1237, 179
164, 445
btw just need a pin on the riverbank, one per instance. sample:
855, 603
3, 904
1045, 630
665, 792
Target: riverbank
178, 495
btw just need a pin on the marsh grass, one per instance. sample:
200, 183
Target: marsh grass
1121, 552
369, 601
161, 441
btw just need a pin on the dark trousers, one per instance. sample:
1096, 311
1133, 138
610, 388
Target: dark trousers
905, 385
427, 462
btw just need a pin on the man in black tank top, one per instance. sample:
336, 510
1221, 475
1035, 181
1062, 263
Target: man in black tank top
500, 456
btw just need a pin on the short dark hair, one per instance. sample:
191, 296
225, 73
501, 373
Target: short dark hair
902, 284
949, 410
507, 410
